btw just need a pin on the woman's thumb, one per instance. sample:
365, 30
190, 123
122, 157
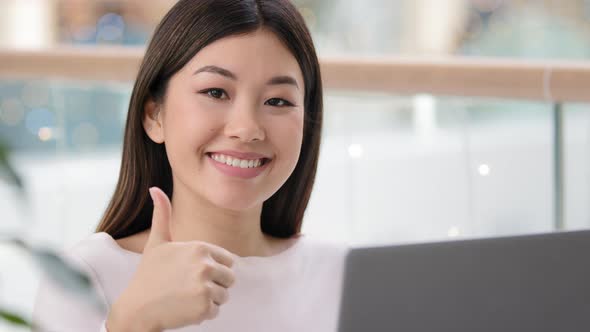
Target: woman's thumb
160, 231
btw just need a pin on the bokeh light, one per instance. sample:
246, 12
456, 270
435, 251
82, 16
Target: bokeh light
45, 134
110, 27
355, 151
484, 170
454, 231
39, 118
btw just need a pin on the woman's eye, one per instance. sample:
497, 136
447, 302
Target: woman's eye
214, 93
278, 102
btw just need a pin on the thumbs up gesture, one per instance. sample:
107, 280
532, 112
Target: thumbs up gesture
176, 283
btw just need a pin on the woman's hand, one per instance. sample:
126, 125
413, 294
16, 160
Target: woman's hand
176, 283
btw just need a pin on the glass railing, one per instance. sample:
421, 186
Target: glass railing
393, 168
414, 149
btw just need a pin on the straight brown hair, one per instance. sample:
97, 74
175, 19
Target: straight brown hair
187, 28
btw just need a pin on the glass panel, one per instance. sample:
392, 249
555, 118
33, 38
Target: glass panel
577, 165
424, 168
66, 142
403, 168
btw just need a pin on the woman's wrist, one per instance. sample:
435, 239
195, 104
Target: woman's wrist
123, 318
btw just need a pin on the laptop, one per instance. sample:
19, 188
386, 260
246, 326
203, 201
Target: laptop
519, 283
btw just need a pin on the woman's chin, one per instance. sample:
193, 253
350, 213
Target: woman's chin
237, 204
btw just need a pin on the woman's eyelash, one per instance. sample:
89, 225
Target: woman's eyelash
210, 91
285, 102
218, 93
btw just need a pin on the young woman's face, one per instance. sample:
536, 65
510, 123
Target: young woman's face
232, 120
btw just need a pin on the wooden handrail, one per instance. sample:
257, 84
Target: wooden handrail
564, 81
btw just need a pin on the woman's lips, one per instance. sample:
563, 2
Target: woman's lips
240, 155
236, 171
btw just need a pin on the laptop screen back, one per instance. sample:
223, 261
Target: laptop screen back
522, 283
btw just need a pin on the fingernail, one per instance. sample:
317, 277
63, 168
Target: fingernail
151, 190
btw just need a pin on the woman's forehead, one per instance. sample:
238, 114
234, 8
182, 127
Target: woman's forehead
256, 55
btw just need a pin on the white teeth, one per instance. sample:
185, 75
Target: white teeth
235, 162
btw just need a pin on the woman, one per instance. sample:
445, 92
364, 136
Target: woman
223, 132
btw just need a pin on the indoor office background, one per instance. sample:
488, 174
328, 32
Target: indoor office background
393, 169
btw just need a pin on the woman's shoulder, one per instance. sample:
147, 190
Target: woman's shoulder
100, 243
100, 252
133, 244
90, 242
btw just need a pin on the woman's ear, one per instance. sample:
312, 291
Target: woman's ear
152, 121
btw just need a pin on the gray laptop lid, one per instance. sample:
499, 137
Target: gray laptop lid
520, 283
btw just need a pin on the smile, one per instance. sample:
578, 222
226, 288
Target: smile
236, 162
235, 167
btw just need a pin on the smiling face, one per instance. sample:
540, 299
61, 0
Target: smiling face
232, 121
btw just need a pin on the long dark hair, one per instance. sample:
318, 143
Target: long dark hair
187, 28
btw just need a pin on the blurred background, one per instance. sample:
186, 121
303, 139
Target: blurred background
394, 168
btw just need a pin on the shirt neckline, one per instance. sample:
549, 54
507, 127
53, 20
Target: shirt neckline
286, 252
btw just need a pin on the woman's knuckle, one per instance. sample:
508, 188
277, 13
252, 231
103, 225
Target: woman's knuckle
199, 249
208, 291
207, 269
213, 310
198, 292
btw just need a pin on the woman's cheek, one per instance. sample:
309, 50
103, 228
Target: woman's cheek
201, 113
287, 134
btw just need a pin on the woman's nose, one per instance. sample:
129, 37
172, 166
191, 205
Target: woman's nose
243, 124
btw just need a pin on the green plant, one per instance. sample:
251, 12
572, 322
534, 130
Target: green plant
70, 278
7, 168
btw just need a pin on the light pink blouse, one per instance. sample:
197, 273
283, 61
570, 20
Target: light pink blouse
296, 290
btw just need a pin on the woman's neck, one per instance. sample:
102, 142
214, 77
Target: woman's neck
195, 219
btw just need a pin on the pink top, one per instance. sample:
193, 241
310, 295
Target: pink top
296, 290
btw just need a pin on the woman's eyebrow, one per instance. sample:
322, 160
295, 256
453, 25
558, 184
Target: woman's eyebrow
216, 70
277, 80
283, 80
